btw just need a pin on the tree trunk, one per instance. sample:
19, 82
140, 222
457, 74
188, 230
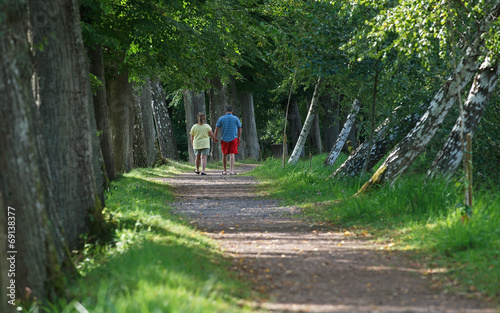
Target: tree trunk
148, 123
450, 157
218, 103
120, 99
30, 258
295, 124
193, 103
341, 140
415, 141
331, 121
164, 132
249, 138
315, 135
140, 157
64, 98
101, 111
391, 131
299, 147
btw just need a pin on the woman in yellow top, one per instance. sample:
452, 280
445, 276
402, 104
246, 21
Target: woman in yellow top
200, 139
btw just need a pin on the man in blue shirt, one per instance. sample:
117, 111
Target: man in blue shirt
230, 128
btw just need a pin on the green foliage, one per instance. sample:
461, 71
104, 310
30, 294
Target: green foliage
414, 214
156, 262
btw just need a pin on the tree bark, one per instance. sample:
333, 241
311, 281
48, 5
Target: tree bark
101, 111
140, 157
166, 140
450, 157
316, 134
148, 123
25, 192
250, 140
415, 141
295, 124
64, 98
346, 130
194, 102
120, 100
218, 102
299, 147
390, 132
331, 121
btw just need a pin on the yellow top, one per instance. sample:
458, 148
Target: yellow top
201, 136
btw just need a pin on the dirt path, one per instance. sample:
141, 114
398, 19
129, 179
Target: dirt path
302, 267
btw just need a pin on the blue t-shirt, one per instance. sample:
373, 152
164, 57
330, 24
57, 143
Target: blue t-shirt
229, 125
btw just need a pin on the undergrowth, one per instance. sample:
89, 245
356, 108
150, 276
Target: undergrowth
414, 214
156, 262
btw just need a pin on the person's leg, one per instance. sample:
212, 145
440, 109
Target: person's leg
203, 163
224, 162
231, 162
197, 162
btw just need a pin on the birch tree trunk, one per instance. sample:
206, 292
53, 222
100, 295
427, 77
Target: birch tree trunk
25, 191
390, 132
299, 147
101, 111
194, 102
249, 136
218, 102
450, 157
346, 130
415, 141
164, 131
64, 97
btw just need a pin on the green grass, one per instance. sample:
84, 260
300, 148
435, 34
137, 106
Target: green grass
418, 216
156, 262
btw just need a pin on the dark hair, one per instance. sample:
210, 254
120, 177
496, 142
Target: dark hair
229, 108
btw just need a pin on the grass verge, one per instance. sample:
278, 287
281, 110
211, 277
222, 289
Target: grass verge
413, 214
156, 262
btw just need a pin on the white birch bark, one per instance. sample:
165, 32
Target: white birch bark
415, 141
449, 158
299, 147
341, 139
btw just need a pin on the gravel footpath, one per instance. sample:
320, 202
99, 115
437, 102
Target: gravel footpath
302, 267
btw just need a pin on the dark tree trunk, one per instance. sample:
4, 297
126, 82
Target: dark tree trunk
120, 99
315, 135
64, 98
193, 103
415, 141
140, 157
166, 140
148, 123
250, 140
295, 124
331, 121
450, 157
218, 102
101, 111
25, 192
390, 132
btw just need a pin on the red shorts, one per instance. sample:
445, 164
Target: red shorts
230, 147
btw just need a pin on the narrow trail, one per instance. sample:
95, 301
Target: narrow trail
302, 267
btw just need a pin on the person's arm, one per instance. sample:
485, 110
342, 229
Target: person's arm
192, 138
239, 135
213, 135
216, 132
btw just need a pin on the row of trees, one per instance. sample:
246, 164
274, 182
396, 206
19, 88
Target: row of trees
83, 89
